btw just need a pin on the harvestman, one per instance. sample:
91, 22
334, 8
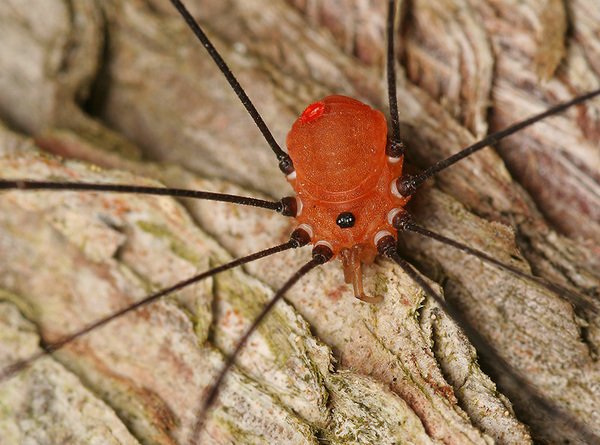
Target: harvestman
382, 242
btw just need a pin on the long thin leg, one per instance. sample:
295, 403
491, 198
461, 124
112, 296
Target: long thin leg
576, 299
282, 206
299, 238
407, 185
387, 247
285, 162
395, 147
319, 258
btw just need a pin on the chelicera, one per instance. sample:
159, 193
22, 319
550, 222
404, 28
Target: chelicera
347, 171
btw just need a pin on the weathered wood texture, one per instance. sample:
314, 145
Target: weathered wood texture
121, 84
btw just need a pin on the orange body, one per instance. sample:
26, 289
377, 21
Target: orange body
338, 146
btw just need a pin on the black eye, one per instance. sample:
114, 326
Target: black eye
345, 220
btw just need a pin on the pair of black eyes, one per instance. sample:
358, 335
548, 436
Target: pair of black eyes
345, 220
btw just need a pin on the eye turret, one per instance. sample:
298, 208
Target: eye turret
345, 220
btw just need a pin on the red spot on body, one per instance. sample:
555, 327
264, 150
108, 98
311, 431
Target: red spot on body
312, 112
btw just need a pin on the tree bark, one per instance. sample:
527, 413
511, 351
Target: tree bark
123, 87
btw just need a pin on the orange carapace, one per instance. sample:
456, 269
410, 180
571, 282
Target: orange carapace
344, 181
